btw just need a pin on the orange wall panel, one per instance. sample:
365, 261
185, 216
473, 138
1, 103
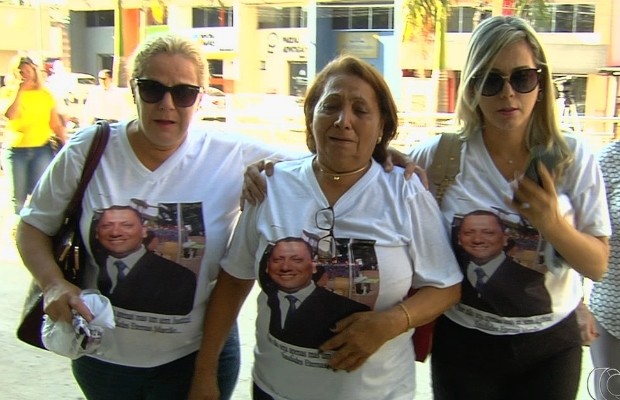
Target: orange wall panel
131, 30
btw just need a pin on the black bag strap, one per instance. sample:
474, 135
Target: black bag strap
90, 165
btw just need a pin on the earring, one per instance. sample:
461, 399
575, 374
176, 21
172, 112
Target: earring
539, 97
379, 139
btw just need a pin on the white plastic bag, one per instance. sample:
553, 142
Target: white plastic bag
81, 337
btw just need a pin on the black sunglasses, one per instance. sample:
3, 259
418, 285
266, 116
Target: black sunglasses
521, 81
182, 95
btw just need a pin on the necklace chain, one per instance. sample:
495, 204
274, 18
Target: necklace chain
337, 176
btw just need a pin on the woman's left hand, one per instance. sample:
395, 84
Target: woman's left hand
585, 253
539, 205
357, 337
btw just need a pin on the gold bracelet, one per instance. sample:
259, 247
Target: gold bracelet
402, 307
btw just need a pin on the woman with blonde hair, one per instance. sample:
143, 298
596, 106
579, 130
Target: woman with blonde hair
172, 174
32, 119
547, 187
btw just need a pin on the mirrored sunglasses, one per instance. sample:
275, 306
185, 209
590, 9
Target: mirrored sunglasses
153, 92
521, 81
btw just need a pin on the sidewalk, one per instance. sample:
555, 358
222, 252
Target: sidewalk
27, 373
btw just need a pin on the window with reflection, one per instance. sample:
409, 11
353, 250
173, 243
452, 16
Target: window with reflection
99, 18
564, 18
362, 17
211, 17
464, 19
282, 17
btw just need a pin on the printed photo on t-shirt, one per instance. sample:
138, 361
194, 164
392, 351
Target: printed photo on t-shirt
311, 284
149, 257
503, 262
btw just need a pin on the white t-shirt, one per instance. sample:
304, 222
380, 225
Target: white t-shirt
480, 186
102, 103
191, 202
391, 237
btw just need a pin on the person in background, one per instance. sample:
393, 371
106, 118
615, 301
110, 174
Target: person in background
105, 101
506, 107
605, 296
156, 160
393, 233
30, 109
59, 83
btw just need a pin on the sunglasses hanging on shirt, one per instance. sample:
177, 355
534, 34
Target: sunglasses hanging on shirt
521, 81
152, 91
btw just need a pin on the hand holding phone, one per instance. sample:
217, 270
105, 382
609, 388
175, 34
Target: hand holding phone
548, 157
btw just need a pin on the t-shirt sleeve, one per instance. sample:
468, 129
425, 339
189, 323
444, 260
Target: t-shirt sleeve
241, 254
423, 154
430, 249
57, 185
255, 150
588, 195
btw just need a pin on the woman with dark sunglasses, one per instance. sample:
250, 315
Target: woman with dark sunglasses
185, 186
32, 119
373, 233
507, 109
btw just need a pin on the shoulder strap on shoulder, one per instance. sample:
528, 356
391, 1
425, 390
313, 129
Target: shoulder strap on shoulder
446, 164
92, 161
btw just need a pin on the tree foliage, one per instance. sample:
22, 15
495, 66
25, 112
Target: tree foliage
423, 15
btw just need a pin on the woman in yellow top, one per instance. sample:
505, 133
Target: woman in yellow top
32, 119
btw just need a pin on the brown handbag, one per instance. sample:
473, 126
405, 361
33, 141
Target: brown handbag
442, 173
67, 244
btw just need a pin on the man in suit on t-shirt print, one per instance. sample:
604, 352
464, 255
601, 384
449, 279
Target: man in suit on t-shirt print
135, 278
494, 281
302, 313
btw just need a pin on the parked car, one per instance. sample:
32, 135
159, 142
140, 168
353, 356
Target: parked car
78, 85
212, 106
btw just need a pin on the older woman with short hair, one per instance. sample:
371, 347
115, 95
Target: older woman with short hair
375, 234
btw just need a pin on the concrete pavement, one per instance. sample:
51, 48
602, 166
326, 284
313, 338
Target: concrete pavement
27, 373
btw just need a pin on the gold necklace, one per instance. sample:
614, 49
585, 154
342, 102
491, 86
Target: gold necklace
337, 176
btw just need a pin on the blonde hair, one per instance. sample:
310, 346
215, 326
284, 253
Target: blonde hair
491, 37
169, 44
14, 78
351, 65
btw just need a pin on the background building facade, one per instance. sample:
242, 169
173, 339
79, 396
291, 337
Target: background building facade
276, 46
